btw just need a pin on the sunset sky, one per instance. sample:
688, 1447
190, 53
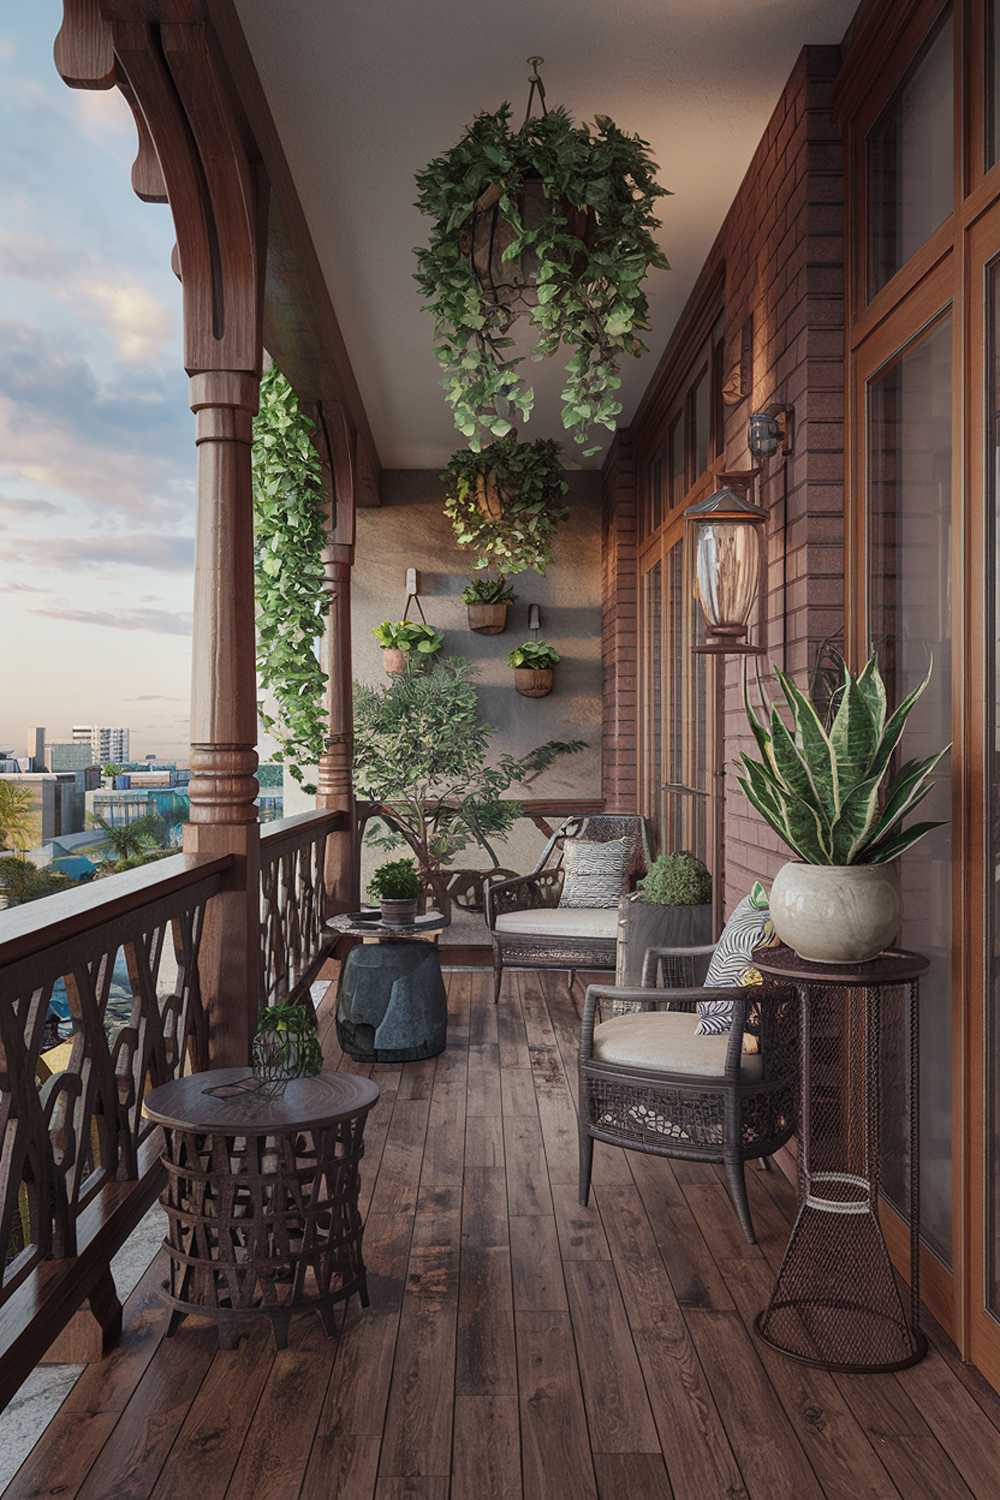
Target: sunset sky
96, 440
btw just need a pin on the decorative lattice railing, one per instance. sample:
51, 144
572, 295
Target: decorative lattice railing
294, 941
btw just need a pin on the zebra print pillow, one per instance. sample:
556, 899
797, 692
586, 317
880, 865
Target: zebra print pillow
748, 928
595, 872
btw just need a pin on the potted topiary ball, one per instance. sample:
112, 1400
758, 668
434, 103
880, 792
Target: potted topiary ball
487, 601
404, 642
396, 887
534, 664
671, 908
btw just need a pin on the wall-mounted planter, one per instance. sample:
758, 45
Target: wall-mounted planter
488, 619
534, 682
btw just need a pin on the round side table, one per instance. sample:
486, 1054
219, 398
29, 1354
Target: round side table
391, 1000
836, 1303
261, 1197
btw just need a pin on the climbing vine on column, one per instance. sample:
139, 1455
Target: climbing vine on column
289, 534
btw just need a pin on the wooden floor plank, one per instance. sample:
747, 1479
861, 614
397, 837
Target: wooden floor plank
486, 1463
554, 1440
614, 1393
694, 1275
399, 1172
277, 1446
535, 1264
631, 1476
581, 1233
527, 1174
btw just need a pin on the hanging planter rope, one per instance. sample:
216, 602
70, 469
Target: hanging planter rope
554, 221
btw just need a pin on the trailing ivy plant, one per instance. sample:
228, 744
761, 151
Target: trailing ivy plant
505, 501
589, 288
289, 535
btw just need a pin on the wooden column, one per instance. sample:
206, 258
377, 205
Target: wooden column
192, 154
337, 444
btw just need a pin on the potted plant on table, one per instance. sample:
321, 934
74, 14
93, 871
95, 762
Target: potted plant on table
405, 641
487, 601
534, 664
285, 1046
820, 787
670, 908
396, 886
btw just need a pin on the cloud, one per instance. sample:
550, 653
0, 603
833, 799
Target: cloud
102, 112
36, 257
20, 588
7, 48
169, 554
160, 621
20, 506
156, 698
141, 325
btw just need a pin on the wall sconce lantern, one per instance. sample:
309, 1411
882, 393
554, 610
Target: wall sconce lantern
729, 533
770, 429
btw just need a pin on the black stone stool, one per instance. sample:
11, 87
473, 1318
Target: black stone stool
391, 1002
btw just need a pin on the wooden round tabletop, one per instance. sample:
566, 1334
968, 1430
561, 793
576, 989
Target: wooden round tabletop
238, 1104
894, 966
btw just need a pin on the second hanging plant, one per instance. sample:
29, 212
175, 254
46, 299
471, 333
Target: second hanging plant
506, 502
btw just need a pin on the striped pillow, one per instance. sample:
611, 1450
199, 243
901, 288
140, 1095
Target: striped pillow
595, 873
748, 928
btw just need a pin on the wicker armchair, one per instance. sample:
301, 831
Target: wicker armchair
648, 1083
530, 930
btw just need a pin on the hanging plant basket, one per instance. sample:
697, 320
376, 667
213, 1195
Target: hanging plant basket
506, 502
553, 221
534, 682
405, 643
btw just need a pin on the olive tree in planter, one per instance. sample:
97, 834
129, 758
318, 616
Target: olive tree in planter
820, 787
534, 664
487, 601
505, 502
556, 220
670, 908
421, 757
406, 642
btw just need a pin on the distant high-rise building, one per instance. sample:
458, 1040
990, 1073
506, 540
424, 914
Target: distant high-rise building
107, 745
36, 749
69, 755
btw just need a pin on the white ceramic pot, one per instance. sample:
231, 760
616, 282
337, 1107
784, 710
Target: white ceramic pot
835, 914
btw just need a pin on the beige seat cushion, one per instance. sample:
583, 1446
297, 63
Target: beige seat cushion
562, 921
666, 1039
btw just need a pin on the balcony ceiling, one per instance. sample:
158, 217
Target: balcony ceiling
365, 92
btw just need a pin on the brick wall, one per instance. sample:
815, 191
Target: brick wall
781, 252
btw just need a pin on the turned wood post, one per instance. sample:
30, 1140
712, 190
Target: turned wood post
336, 442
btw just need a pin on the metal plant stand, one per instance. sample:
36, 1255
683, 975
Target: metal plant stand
261, 1197
836, 1302
391, 1000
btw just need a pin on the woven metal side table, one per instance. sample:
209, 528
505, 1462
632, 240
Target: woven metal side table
261, 1197
836, 1302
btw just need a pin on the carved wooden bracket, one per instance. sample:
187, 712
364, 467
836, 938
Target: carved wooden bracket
162, 55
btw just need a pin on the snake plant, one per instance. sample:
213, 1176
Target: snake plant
820, 787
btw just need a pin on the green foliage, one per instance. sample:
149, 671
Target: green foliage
538, 655
488, 591
819, 787
396, 881
15, 816
590, 290
269, 777
299, 1044
408, 635
21, 881
111, 770
130, 841
289, 534
529, 481
678, 879
421, 755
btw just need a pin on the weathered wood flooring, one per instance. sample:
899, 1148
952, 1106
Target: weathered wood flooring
518, 1345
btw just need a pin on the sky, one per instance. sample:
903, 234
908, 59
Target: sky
96, 438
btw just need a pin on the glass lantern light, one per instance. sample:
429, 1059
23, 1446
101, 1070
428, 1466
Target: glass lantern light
729, 559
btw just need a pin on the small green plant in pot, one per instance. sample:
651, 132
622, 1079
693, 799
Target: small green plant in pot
285, 1046
534, 664
487, 601
821, 787
670, 908
396, 886
406, 641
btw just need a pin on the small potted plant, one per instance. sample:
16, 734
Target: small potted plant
818, 786
285, 1046
670, 908
396, 887
403, 641
488, 601
534, 665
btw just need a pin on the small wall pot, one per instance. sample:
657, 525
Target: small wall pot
645, 924
534, 682
835, 914
398, 913
394, 660
488, 619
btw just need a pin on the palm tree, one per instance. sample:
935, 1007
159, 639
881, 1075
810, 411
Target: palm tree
15, 816
126, 840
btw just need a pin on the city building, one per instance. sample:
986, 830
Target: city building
107, 745
36, 750
69, 755
58, 802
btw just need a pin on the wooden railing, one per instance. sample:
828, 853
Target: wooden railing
78, 1163
294, 941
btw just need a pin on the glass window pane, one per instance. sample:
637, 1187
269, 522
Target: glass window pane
992, 84
701, 425
676, 444
656, 492
699, 751
675, 706
909, 559
911, 188
654, 698
992, 1184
